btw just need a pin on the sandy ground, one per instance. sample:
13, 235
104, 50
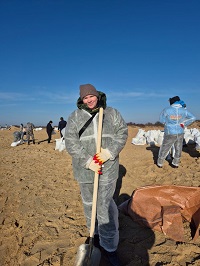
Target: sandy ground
42, 220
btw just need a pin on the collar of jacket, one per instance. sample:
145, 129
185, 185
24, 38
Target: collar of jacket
101, 103
177, 105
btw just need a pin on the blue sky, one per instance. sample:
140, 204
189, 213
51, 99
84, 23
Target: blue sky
139, 53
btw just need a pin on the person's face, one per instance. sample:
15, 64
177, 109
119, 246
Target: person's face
90, 101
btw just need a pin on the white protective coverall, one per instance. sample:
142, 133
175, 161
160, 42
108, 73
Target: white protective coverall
173, 117
82, 150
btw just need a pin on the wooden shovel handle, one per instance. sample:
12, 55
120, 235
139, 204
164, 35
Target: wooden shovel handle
96, 176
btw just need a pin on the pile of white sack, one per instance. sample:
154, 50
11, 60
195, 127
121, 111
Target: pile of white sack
155, 137
38, 128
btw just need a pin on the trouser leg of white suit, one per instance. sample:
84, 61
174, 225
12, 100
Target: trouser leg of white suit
178, 146
107, 213
168, 142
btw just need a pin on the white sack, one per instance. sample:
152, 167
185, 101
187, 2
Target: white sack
63, 131
140, 138
60, 144
195, 132
16, 143
197, 141
152, 137
160, 138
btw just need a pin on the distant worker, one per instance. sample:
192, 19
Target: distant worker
62, 124
29, 132
175, 118
22, 131
21, 127
49, 130
17, 136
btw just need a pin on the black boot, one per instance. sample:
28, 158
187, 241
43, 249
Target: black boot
111, 257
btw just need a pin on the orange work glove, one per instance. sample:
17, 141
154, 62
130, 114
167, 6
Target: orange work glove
96, 167
102, 156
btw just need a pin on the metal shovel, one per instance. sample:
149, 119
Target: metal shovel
88, 254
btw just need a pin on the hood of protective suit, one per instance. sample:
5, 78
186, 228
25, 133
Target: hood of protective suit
101, 103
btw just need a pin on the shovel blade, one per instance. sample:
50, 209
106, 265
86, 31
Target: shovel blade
83, 258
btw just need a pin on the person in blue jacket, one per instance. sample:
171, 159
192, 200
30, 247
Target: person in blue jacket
175, 118
62, 124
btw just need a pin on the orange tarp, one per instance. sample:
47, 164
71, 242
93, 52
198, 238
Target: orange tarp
163, 208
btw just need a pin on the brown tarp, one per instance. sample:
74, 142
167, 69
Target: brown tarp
163, 208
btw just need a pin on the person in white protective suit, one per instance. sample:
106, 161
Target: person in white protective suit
80, 141
175, 118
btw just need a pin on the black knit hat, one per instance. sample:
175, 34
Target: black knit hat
174, 99
88, 89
